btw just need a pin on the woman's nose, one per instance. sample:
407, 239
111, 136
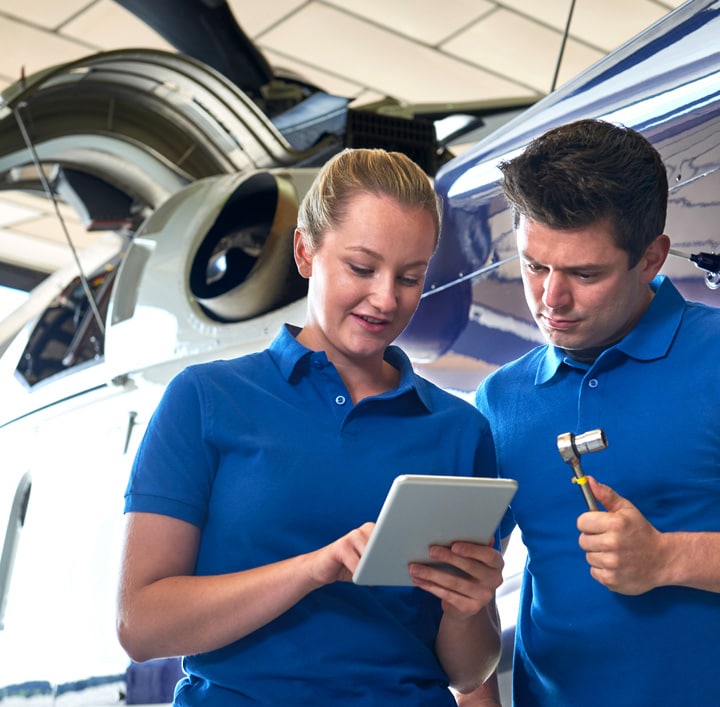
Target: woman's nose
384, 294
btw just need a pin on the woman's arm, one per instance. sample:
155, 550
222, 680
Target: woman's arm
469, 650
488, 695
468, 641
164, 610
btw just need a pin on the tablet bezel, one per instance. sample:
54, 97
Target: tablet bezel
422, 510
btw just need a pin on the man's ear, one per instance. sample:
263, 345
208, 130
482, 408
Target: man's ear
303, 255
654, 257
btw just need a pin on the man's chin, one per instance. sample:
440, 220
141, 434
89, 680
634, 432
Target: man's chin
562, 341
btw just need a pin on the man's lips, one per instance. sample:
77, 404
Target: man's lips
558, 323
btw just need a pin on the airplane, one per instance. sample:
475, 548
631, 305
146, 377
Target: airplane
197, 184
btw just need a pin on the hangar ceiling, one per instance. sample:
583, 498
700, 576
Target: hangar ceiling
417, 51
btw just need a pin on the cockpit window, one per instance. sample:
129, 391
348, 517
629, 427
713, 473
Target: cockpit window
68, 334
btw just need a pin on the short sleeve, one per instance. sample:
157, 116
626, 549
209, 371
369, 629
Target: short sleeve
173, 470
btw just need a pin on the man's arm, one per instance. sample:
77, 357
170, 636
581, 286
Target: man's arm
627, 554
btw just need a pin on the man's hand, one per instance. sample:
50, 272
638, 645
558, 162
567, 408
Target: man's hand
624, 551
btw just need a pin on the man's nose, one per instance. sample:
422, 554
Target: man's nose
556, 293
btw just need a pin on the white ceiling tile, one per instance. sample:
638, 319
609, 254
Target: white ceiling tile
110, 26
619, 21
34, 49
427, 21
553, 13
324, 80
256, 17
49, 14
502, 42
13, 213
27, 251
37, 204
576, 58
49, 227
381, 60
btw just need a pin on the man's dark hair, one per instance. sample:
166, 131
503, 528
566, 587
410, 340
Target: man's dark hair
588, 171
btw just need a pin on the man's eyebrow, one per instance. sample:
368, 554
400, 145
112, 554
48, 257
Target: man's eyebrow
565, 268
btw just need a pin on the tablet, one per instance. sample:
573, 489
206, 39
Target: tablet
422, 510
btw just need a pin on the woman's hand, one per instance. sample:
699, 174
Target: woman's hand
468, 588
337, 561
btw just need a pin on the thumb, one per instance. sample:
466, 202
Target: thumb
605, 495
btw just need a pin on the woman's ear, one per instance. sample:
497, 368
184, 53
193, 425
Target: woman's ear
303, 255
654, 257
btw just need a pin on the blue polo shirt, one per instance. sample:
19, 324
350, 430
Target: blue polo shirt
655, 394
270, 458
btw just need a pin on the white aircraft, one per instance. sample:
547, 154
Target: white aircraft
198, 188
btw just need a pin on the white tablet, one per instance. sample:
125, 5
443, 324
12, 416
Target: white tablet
422, 510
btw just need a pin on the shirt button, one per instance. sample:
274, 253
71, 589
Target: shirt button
340, 400
593, 382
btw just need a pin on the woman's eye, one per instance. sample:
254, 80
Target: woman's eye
358, 270
409, 281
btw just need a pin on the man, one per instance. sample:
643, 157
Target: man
619, 606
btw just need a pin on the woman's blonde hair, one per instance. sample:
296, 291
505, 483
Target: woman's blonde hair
363, 170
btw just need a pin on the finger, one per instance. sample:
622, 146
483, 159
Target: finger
488, 570
482, 575
486, 554
462, 596
364, 532
607, 496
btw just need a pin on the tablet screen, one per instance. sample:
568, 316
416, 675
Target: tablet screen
423, 510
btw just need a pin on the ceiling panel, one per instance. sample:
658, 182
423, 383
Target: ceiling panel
426, 21
107, 25
383, 60
619, 21
48, 14
502, 41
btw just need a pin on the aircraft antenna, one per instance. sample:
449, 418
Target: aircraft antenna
51, 196
566, 32
434, 289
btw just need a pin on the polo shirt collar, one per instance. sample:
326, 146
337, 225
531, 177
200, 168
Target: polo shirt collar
649, 339
287, 351
291, 356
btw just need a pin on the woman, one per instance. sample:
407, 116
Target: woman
249, 501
